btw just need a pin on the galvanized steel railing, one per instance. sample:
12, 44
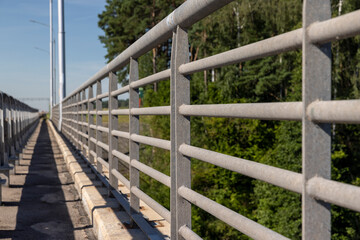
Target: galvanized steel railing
16, 122
316, 112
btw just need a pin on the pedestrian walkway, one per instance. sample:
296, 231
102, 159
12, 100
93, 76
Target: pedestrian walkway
41, 201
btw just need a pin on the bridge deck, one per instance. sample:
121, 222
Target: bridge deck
42, 202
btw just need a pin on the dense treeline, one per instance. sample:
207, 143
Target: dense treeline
271, 79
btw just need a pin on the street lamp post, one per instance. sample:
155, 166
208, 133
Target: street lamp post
51, 60
61, 42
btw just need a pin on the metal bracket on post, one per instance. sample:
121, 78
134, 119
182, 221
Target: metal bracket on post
316, 149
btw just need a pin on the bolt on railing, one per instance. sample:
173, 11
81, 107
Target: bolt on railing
316, 111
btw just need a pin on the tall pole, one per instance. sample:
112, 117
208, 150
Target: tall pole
51, 103
61, 40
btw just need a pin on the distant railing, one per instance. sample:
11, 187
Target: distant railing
16, 121
316, 112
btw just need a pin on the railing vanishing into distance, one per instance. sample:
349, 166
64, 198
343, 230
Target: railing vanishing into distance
16, 122
316, 112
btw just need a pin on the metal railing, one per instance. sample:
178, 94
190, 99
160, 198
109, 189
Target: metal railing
316, 112
16, 122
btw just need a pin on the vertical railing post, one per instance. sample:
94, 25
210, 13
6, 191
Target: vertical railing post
19, 125
22, 133
113, 125
99, 150
91, 132
25, 119
2, 131
316, 138
78, 129
133, 129
73, 117
18, 139
14, 134
69, 130
7, 130
173, 189
11, 128
65, 104
182, 129
83, 120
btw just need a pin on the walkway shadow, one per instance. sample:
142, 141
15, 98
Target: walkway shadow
42, 211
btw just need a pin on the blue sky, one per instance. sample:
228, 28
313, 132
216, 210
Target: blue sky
24, 70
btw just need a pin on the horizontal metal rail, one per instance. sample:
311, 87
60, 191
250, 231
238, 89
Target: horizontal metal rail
103, 162
93, 153
268, 47
341, 27
276, 176
334, 29
156, 142
121, 178
263, 111
188, 234
100, 128
341, 194
151, 111
157, 77
342, 111
121, 156
152, 203
159, 176
120, 91
99, 112
103, 95
237, 221
103, 145
121, 112
120, 134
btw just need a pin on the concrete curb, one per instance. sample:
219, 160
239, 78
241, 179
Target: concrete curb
105, 213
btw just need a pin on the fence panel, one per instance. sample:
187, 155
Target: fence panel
315, 111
